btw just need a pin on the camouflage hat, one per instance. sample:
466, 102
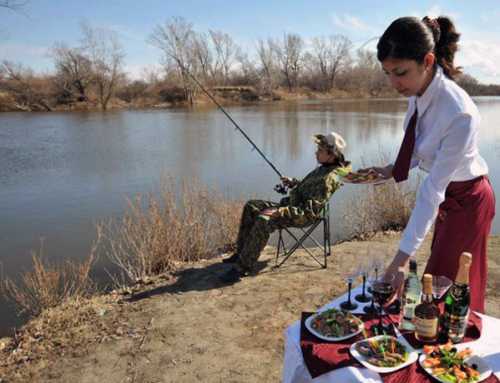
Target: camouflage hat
332, 140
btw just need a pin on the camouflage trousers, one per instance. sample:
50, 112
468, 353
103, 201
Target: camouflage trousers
255, 231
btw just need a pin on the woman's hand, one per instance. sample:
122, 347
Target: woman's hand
397, 268
385, 172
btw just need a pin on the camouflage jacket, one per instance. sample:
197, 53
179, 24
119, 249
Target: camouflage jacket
307, 198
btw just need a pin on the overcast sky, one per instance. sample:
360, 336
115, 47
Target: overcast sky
26, 36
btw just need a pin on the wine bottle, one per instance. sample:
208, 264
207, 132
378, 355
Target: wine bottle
426, 314
411, 297
457, 301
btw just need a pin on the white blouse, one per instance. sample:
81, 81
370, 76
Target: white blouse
446, 147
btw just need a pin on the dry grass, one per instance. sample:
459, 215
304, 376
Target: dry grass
382, 208
49, 285
179, 224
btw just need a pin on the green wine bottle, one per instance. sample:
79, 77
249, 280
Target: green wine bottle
457, 301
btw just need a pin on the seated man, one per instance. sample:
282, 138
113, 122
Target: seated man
302, 207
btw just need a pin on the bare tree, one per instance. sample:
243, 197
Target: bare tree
367, 74
268, 63
247, 69
106, 55
330, 54
226, 51
174, 38
23, 85
202, 55
289, 54
73, 71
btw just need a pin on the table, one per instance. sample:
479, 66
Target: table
295, 370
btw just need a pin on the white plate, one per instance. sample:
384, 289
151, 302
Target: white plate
329, 338
412, 355
482, 367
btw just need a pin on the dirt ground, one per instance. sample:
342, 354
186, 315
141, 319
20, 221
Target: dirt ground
190, 328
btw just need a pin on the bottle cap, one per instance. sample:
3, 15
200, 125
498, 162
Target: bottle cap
427, 284
464, 261
413, 266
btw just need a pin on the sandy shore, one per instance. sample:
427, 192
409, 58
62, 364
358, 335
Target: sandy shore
189, 327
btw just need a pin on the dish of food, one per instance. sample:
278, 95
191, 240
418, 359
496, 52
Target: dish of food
452, 364
370, 177
383, 353
334, 325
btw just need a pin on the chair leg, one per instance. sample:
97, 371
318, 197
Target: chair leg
300, 243
281, 245
326, 245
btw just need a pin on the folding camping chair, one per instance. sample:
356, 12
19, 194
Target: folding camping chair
307, 232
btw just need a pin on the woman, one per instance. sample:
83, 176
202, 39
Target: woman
303, 206
441, 137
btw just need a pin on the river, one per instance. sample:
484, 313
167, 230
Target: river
62, 172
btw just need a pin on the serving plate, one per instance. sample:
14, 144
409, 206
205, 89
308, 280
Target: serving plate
308, 324
412, 355
482, 367
370, 178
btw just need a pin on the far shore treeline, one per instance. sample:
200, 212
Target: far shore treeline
91, 75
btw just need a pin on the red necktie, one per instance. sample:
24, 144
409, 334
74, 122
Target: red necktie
402, 164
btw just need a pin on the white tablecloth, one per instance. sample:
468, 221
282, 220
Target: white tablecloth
295, 370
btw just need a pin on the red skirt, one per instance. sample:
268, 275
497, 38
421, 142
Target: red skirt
463, 224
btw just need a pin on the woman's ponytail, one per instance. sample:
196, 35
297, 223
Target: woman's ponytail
446, 38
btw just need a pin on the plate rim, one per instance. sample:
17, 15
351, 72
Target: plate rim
412, 357
308, 321
368, 182
422, 357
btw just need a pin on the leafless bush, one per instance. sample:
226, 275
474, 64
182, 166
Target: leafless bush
181, 224
48, 285
383, 207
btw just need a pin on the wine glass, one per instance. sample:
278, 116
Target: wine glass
440, 284
349, 304
376, 266
372, 276
382, 290
363, 297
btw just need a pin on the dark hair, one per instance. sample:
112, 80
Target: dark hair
339, 157
410, 38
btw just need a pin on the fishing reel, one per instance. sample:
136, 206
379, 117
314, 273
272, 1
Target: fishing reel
281, 189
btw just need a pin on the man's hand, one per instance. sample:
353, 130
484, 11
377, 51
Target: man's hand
288, 182
385, 172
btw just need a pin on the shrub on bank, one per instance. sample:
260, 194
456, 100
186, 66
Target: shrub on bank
181, 224
381, 208
49, 284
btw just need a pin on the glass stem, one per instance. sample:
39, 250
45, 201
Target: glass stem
364, 282
380, 324
349, 294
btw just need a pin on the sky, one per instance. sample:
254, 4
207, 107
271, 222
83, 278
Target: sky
26, 36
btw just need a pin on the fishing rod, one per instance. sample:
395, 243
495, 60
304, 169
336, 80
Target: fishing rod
280, 188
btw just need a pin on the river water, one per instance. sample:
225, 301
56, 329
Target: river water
62, 172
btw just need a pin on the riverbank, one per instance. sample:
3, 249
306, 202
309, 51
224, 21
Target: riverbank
188, 327
227, 95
